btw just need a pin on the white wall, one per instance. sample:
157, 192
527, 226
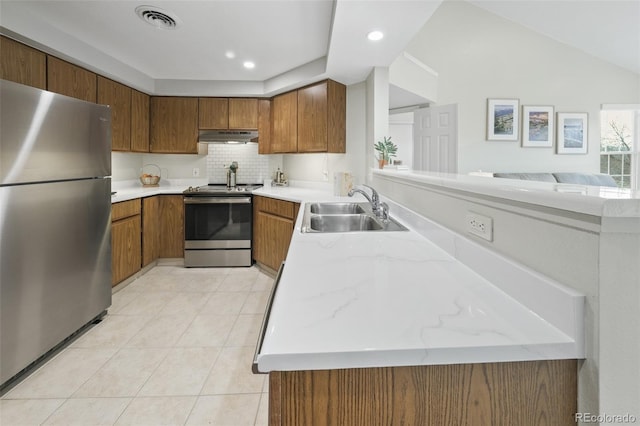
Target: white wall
478, 55
401, 133
128, 165
252, 167
377, 115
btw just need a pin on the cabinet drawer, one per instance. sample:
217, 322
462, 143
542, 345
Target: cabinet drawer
276, 207
125, 209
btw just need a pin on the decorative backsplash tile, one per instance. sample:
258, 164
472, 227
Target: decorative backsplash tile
252, 167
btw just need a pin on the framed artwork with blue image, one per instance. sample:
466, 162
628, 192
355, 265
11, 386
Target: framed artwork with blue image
573, 132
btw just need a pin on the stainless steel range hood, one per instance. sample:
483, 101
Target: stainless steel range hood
228, 136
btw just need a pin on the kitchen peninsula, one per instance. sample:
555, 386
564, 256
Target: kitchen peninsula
375, 326
573, 234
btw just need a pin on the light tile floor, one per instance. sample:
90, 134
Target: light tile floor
174, 349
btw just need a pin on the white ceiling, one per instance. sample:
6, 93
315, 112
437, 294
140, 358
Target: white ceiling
606, 29
292, 42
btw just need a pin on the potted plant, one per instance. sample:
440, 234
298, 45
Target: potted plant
386, 150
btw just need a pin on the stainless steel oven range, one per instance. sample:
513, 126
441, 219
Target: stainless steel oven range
218, 224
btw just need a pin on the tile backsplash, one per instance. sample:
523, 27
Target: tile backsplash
252, 167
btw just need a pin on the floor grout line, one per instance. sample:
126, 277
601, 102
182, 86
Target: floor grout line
249, 280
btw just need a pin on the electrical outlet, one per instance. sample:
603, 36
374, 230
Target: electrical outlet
479, 225
196, 171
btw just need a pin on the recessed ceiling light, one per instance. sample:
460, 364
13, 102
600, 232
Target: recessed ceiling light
249, 64
375, 35
158, 18
230, 54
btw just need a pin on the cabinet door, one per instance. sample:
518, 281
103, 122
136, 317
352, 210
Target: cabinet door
213, 113
273, 239
118, 97
139, 121
150, 229
171, 226
174, 125
243, 113
71, 80
337, 117
125, 248
264, 126
22, 64
312, 118
284, 132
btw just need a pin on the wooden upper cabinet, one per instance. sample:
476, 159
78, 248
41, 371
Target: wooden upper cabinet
71, 80
336, 117
139, 121
22, 64
228, 113
118, 97
284, 132
322, 117
264, 126
243, 113
213, 113
174, 125
312, 118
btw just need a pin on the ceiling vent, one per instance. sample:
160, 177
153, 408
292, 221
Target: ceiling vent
158, 18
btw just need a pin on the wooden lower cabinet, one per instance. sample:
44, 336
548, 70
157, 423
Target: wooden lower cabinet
126, 246
150, 230
531, 393
162, 227
273, 222
171, 235
143, 230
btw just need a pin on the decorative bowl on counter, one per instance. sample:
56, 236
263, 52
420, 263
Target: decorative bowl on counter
149, 179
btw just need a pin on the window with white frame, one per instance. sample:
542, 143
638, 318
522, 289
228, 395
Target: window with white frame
620, 144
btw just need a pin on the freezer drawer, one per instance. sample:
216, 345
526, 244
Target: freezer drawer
55, 270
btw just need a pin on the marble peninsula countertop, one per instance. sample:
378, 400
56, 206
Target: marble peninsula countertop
418, 297
373, 299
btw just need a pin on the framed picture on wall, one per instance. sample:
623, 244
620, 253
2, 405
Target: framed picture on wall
502, 119
537, 126
573, 132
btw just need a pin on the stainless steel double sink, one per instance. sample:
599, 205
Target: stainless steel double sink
345, 217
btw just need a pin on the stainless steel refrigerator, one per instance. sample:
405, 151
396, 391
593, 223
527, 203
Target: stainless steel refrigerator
55, 214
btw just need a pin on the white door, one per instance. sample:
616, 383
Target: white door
435, 139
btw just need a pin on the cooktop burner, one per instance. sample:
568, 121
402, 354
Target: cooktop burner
215, 188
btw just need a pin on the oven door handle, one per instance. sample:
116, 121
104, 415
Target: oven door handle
217, 200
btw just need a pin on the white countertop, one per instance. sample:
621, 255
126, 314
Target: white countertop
592, 200
369, 299
402, 298
131, 189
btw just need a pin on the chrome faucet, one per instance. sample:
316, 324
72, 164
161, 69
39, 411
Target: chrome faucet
380, 209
